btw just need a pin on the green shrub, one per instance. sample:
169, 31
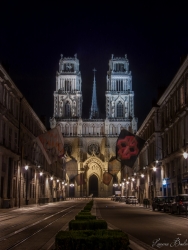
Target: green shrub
87, 224
90, 203
85, 217
84, 213
90, 239
88, 207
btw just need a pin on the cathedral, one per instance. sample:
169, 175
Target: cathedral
90, 144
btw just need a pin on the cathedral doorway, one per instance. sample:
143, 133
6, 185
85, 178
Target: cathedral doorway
93, 185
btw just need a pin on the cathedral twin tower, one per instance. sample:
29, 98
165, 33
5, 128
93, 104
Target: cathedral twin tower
119, 99
93, 138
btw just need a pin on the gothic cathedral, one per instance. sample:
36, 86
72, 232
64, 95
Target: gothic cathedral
90, 144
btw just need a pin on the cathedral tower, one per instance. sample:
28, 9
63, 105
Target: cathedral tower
119, 94
68, 94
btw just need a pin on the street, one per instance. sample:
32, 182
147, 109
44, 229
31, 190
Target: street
144, 226
34, 227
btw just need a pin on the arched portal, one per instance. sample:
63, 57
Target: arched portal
93, 185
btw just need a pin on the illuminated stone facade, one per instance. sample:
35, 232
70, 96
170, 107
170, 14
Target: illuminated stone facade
90, 143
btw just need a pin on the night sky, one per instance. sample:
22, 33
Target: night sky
154, 36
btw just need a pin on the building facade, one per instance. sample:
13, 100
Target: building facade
163, 160
90, 143
25, 175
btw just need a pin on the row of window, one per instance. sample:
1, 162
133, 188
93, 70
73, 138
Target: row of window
11, 103
176, 102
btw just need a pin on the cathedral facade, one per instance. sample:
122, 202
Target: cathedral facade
90, 144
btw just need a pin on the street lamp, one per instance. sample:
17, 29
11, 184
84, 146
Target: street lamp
154, 169
185, 155
26, 200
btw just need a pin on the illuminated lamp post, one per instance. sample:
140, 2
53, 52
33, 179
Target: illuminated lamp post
127, 187
26, 189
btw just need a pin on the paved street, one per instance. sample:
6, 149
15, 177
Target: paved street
145, 226
34, 227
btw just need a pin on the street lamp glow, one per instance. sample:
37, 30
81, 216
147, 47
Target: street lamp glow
71, 185
142, 175
157, 161
26, 167
185, 155
41, 173
164, 182
134, 173
133, 179
127, 182
51, 178
154, 168
57, 180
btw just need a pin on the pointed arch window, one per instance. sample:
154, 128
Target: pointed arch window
67, 109
120, 110
68, 85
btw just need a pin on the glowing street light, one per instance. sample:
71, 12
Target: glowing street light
26, 167
154, 169
164, 181
142, 175
185, 155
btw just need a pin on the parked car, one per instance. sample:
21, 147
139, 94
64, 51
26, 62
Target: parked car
158, 203
180, 204
117, 198
131, 200
168, 203
122, 199
113, 197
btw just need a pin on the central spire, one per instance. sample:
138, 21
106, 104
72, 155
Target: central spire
94, 113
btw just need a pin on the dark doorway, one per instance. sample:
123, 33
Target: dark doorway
93, 185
